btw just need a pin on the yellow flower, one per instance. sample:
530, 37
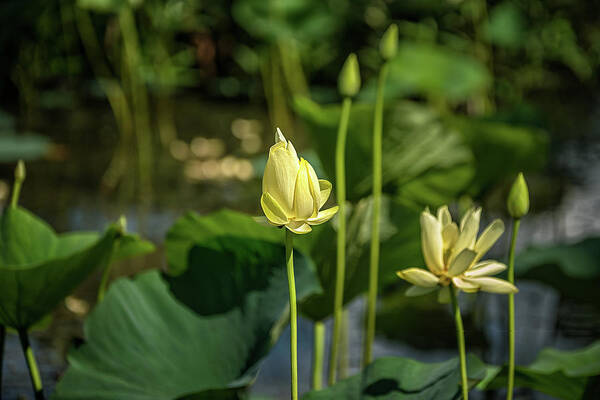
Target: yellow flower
453, 256
292, 194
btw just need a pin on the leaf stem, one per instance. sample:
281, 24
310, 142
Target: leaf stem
34, 372
289, 258
511, 312
377, 179
460, 336
19, 179
340, 181
318, 352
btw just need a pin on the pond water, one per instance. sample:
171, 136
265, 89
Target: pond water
194, 174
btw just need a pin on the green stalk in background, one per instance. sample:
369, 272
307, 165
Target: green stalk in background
518, 206
20, 175
349, 85
34, 372
388, 48
318, 353
460, 336
289, 260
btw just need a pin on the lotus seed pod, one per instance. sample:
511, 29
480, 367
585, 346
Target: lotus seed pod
518, 198
349, 78
388, 47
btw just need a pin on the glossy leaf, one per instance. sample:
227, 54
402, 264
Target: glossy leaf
501, 149
404, 379
39, 268
199, 335
572, 269
400, 247
431, 71
22, 147
424, 163
561, 374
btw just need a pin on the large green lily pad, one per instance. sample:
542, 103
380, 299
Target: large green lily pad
561, 374
397, 378
38, 268
198, 335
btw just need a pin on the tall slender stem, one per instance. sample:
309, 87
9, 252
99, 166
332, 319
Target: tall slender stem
377, 182
318, 352
34, 372
289, 260
511, 312
340, 181
460, 336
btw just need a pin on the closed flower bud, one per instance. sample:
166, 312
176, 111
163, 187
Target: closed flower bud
292, 193
518, 198
349, 78
20, 171
388, 46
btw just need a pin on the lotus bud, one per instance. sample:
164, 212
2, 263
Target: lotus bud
388, 46
349, 78
20, 172
518, 198
122, 224
292, 193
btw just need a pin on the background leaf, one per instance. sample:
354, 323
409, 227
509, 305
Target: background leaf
39, 268
403, 379
561, 374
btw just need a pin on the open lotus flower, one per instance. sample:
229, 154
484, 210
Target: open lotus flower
453, 256
292, 193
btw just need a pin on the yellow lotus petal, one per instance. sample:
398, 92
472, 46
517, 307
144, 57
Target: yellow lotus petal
325, 189
299, 227
273, 210
450, 235
279, 136
418, 291
315, 188
305, 205
431, 242
489, 236
465, 285
469, 226
443, 216
323, 216
493, 285
419, 277
486, 268
279, 179
444, 295
462, 262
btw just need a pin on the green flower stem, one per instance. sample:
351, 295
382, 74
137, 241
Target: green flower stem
340, 181
34, 373
104, 282
460, 335
511, 312
318, 352
289, 260
377, 179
